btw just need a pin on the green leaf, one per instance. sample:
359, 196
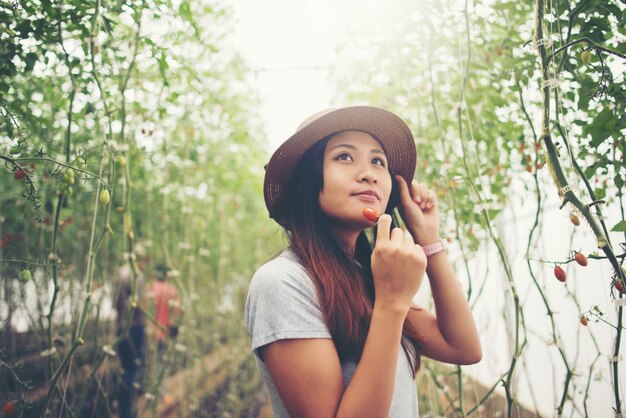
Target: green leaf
602, 126
590, 171
185, 11
583, 101
108, 24
30, 60
163, 66
619, 227
601, 23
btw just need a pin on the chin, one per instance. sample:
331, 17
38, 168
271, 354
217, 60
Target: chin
351, 222
360, 222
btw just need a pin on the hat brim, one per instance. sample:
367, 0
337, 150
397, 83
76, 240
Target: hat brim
389, 129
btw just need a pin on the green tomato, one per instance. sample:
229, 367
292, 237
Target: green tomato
585, 56
26, 276
68, 176
104, 197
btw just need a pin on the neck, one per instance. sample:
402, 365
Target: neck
347, 238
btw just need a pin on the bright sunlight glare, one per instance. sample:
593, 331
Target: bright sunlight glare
291, 47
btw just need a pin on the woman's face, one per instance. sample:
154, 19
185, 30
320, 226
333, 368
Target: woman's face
356, 176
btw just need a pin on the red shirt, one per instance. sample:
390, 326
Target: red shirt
163, 293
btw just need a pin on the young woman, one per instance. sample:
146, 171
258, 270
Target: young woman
331, 319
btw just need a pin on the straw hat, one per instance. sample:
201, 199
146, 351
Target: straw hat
391, 131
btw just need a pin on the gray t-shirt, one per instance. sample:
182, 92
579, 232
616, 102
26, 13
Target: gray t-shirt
282, 304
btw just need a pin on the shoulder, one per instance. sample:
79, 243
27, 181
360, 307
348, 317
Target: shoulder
282, 303
282, 285
281, 273
281, 291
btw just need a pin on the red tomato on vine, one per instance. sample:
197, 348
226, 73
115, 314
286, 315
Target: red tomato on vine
581, 259
559, 273
20, 172
8, 408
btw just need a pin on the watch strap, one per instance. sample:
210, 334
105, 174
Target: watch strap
437, 247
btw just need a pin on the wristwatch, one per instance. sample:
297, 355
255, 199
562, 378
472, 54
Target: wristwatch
437, 247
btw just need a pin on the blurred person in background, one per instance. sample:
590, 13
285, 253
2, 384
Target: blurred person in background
167, 307
130, 324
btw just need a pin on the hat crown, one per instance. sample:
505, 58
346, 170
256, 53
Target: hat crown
314, 117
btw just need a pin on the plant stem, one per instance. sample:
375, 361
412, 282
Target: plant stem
587, 41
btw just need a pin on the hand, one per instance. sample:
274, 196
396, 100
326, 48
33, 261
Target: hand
418, 208
398, 266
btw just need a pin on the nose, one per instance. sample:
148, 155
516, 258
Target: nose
367, 175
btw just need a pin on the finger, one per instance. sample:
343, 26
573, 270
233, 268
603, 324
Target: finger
415, 192
397, 236
383, 226
405, 194
408, 238
420, 251
432, 198
423, 188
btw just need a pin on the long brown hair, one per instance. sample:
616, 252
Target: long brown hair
344, 282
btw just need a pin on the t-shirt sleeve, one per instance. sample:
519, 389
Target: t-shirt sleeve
282, 304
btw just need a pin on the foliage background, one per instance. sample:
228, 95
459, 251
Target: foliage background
154, 101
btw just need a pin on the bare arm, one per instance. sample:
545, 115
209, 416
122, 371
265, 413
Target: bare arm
307, 372
451, 336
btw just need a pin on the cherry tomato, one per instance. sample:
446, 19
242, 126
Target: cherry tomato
26, 275
559, 273
581, 259
371, 214
21, 172
585, 56
8, 408
104, 197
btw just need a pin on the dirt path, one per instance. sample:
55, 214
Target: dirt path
205, 377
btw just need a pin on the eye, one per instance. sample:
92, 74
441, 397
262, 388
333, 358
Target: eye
344, 156
378, 161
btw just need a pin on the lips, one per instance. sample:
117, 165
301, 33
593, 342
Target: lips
367, 194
